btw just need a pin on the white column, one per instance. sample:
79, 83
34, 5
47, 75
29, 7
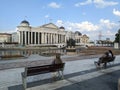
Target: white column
51, 38
28, 38
21, 41
61, 38
31, 37
65, 39
42, 38
19, 37
45, 38
38, 37
25, 37
48, 38
56, 38
35, 37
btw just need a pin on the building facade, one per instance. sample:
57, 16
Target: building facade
5, 37
48, 34
81, 39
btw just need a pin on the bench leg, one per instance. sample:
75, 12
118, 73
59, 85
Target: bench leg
24, 83
62, 75
59, 75
105, 65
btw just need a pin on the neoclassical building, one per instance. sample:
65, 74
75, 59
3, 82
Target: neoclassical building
81, 39
48, 34
5, 37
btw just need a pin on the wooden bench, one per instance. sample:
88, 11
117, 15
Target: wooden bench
106, 60
31, 71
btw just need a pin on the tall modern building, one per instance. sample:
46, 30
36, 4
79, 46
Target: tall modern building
48, 34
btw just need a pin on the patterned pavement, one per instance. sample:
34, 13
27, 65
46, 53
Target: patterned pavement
79, 75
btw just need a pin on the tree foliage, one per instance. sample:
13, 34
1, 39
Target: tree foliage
117, 36
71, 42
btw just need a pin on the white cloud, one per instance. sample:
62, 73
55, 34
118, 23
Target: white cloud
92, 30
103, 3
116, 12
106, 24
83, 3
59, 22
86, 26
109, 33
54, 5
97, 3
47, 16
83, 26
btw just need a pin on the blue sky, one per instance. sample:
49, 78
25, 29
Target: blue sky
90, 17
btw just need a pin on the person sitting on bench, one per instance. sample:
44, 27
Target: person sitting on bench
105, 55
104, 59
57, 60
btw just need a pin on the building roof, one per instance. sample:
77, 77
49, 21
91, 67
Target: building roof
77, 32
24, 21
61, 27
5, 34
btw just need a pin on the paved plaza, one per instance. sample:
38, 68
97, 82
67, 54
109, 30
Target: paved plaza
79, 75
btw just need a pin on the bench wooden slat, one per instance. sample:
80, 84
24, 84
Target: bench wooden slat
43, 69
108, 59
30, 71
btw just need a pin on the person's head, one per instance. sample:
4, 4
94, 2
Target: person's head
110, 51
106, 53
57, 56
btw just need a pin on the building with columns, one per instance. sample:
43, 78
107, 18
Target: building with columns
81, 39
48, 34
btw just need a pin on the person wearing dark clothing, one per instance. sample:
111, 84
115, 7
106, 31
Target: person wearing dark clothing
110, 53
57, 60
104, 58
106, 54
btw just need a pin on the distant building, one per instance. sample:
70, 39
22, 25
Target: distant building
81, 39
6, 40
5, 37
15, 37
48, 34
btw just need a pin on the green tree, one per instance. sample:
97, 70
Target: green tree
117, 36
71, 42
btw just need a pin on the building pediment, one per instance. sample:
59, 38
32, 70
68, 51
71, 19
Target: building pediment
50, 25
